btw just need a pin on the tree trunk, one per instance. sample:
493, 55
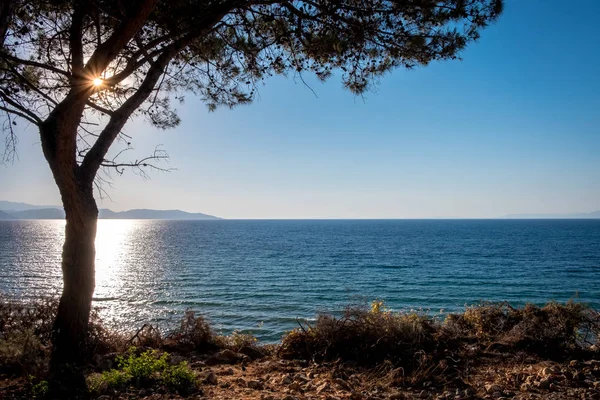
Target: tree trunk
78, 258
71, 324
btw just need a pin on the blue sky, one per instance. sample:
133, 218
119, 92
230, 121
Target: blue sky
512, 128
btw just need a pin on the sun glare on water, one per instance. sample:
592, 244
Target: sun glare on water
112, 240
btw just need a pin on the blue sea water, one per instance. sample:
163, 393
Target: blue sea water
259, 276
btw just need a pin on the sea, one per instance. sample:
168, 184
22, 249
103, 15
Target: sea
264, 277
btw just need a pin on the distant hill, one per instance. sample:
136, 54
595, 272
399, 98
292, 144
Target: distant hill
43, 213
8, 206
12, 210
590, 215
5, 215
153, 214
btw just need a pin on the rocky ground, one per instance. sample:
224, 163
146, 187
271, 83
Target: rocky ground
229, 375
233, 376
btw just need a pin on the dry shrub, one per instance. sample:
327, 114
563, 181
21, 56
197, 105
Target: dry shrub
550, 330
193, 333
22, 353
26, 334
364, 336
237, 341
148, 336
420, 344
36, 316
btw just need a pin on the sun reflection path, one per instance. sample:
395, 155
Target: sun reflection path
112, 246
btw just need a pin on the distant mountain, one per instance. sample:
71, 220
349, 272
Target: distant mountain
11, 210
43, 213
153, 214
8, 206
590, 215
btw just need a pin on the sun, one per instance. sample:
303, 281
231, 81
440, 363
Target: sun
97, 82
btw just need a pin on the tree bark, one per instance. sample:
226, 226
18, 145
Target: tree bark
58, 134
70, 329
7, 8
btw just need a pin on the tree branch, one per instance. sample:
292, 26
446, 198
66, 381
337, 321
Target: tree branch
107, 51
95, 156
32, 63
76, 36
96, 107
22, 111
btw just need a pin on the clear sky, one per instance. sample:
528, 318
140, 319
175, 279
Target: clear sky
512, 128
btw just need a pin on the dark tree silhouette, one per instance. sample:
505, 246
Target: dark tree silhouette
79, 70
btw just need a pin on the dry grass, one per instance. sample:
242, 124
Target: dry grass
415, 347
551, 330
400, 349
26, 333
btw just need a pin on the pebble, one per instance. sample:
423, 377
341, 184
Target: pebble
492, 388
209, 378
241, 382
256, 385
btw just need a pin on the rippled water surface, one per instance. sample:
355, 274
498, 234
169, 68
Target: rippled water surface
259, 276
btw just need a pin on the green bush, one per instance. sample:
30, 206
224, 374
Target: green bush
144, 369
143, 366
39, 390
179, 377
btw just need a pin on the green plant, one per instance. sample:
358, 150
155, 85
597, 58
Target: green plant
143, 366
39, 390
147, 367
179, 377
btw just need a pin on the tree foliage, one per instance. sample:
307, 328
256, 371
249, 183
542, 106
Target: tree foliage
150, 54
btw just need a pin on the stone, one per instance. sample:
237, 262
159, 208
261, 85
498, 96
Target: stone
209, 378
251, 352
286, 380
175, 359
295, 386
256, 385
492, 388
241, 382
224, 357
526, 387
227, 371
